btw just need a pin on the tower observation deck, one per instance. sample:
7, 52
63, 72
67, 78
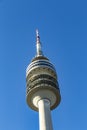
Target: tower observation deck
42, 91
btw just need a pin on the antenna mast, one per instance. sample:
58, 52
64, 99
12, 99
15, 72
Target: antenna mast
38, 44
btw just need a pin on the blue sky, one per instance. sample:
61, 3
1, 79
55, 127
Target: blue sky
63, 31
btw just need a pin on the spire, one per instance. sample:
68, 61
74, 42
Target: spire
38, 44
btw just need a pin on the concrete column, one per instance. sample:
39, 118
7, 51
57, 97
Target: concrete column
45, 122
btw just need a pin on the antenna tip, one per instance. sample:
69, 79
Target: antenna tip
37, 32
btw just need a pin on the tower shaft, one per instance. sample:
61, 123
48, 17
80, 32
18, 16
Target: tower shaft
45, 122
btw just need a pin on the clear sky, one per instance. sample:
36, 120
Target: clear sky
63, 30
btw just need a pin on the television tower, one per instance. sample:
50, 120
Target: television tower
42, 92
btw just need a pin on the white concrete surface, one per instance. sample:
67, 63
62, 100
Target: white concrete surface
43, 94
45, 122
